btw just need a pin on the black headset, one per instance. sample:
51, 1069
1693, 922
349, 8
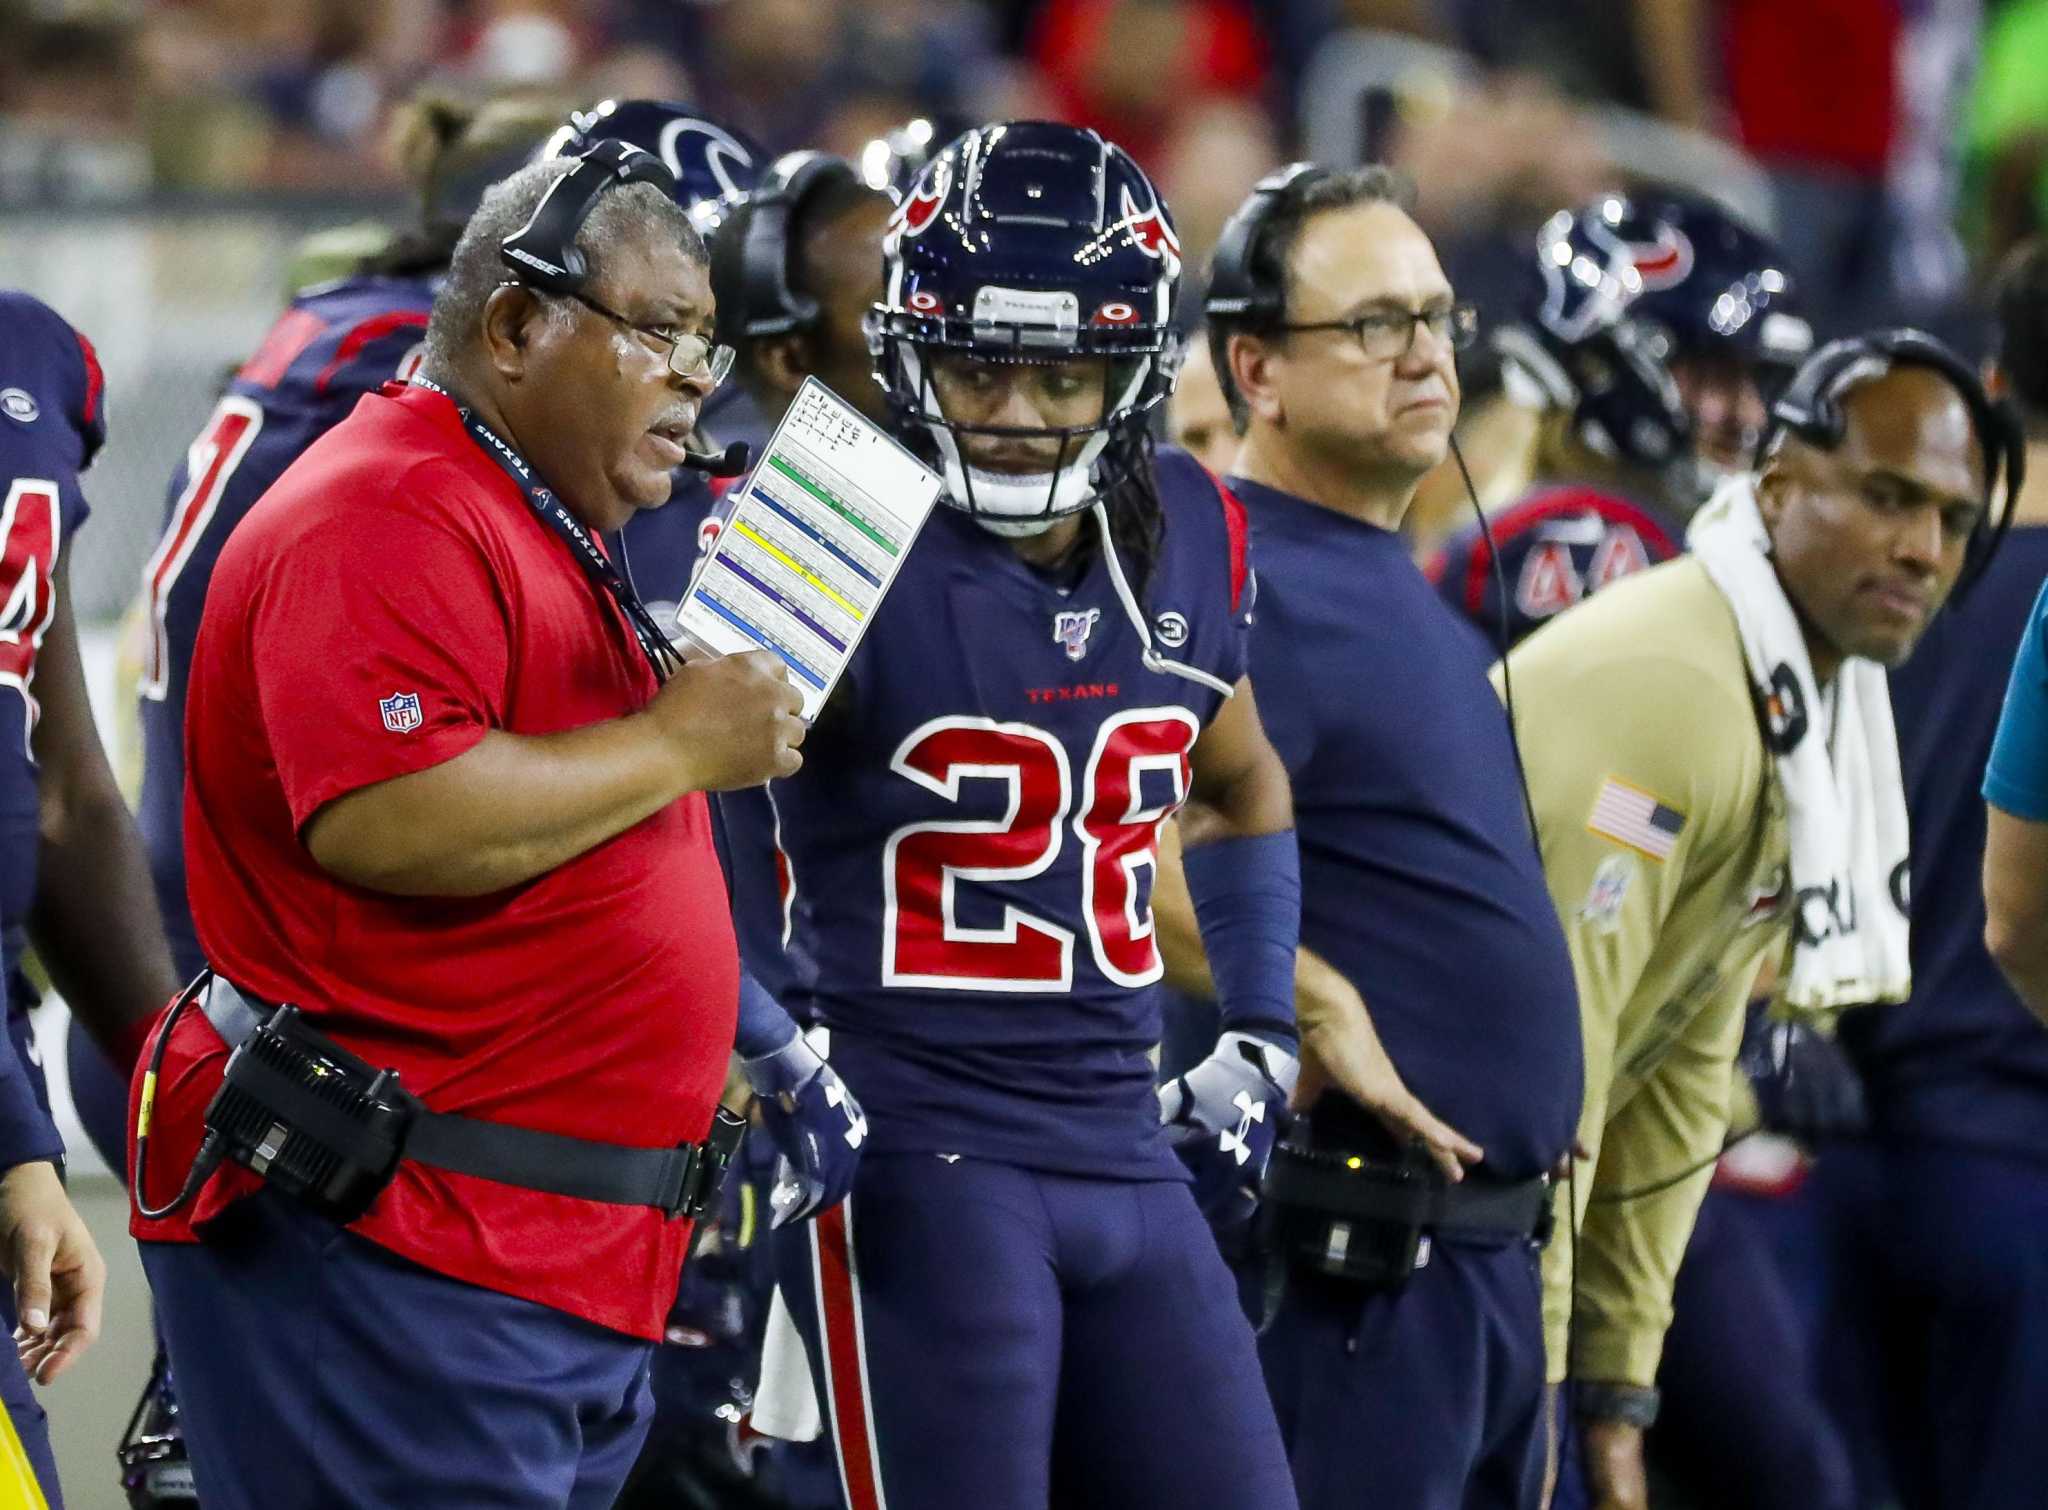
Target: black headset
772, 305
543, 252
1235, 292
1810, 408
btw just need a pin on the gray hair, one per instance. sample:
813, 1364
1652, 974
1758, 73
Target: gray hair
1266, 258
634, 215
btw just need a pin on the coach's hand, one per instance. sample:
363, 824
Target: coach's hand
1612, 1453
59, 1277
733, 719
1340, 1046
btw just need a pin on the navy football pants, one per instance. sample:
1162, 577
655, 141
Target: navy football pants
1739, 1369
996, 1338
1429, 1397
318, 1371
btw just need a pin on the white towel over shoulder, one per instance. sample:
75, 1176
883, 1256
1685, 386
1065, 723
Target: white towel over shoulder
1846, 807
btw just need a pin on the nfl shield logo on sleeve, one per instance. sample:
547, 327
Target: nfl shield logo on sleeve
401, 711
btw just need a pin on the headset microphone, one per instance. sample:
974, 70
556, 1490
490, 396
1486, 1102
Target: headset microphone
727, 463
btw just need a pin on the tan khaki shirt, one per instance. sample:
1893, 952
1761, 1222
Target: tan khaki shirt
1664, 844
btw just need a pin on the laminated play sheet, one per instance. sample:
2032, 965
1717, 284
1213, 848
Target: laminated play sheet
811, 543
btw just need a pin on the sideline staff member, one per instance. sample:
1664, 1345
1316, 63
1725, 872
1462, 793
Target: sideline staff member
436, 800
1447, 992
1708, 741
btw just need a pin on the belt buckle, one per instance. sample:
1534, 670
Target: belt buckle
704, 1165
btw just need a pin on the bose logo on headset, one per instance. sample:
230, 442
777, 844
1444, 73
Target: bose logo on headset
1810, 408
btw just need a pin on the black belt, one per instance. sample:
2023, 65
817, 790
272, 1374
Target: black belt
677, 1181
1476, 1207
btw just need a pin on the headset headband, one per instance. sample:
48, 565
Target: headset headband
772, 304
543, 252
1810, 407
1234, 290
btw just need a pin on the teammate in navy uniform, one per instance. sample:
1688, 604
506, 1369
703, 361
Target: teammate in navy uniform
72, 876
1020, 1303
1656, 327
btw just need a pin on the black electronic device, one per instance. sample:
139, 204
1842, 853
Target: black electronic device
543, 252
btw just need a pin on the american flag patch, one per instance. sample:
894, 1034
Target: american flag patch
1631, 817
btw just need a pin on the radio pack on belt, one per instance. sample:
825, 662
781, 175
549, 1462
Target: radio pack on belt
326, 1127
1345, 1215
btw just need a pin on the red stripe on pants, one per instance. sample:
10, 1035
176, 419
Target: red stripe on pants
839, 1321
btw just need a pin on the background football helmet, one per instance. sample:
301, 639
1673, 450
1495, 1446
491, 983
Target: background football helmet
714, 165
1627, 286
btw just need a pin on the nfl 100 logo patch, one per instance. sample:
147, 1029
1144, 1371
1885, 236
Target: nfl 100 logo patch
401, 711
1071, 627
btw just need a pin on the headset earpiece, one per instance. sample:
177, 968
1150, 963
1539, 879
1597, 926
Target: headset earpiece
774, 306
1810, 408
543, 252
1234, 289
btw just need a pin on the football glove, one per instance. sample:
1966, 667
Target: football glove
1224, 1116
815, 1123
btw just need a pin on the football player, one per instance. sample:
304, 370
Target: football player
73, 879
1658, 325
1019, 1303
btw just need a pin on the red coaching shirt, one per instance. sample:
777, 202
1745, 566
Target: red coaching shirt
390, 600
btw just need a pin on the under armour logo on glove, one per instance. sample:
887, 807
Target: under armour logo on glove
1224, 1117
817, 1127
1238, 1144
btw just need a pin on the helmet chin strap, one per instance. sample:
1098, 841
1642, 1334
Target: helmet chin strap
1154, 661
1015, 506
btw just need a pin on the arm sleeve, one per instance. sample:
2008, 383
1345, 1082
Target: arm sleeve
380, 646
2016, 780
1629, 1249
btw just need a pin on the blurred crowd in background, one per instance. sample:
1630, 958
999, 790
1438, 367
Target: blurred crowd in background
1882, 128
1896, 148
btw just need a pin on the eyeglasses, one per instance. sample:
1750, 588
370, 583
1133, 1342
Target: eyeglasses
1387, 334
689, 355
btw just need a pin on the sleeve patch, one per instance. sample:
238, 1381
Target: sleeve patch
1635, 819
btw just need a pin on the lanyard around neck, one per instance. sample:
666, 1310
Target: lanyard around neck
549, 508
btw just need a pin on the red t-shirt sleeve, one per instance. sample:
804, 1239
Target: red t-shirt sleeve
379, 646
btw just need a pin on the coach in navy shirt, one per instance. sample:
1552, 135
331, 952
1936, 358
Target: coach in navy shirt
1436, 994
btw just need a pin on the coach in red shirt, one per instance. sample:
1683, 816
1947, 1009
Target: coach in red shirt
438, 799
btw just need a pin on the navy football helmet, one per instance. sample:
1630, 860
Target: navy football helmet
714, 165
1627, 286
1030, 242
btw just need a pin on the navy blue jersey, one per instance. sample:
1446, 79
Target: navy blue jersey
1962, 1061
334, 344
52, 423
1556, 546
972, 839
1420, 882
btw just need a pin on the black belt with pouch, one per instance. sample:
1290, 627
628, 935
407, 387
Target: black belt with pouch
1351, 1216
326, 1127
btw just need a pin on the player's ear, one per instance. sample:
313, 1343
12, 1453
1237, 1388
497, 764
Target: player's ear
511, 318
1252, 368
1775, 485
783, 362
